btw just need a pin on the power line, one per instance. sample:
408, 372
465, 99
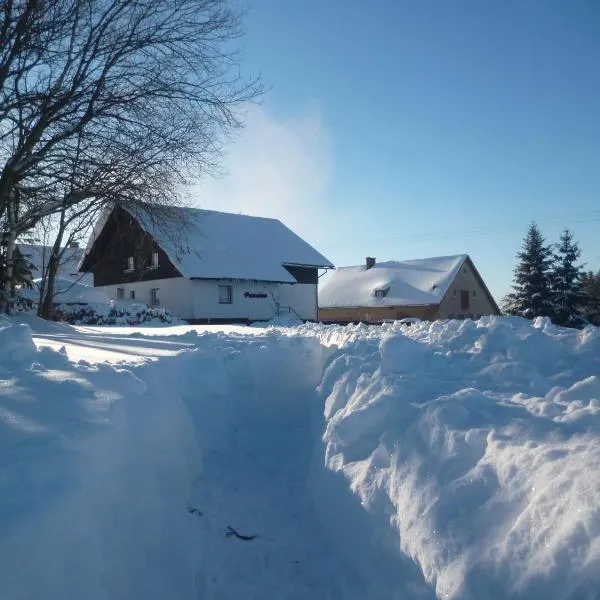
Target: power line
582, 217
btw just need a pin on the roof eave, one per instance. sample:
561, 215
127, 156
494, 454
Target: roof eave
229, 278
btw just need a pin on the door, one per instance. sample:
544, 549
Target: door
464, 299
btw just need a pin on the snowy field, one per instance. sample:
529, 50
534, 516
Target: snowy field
452, 460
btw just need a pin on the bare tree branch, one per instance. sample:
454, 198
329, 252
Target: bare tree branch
117, 101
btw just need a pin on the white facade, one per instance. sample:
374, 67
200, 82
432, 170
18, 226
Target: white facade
207, 299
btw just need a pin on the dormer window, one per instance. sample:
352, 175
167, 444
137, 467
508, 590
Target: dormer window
381, 293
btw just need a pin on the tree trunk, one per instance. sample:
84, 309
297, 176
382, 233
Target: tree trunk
46, 308
7, 286
10, 239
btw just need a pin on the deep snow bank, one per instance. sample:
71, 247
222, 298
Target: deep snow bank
93, 480
454, 459
474, 448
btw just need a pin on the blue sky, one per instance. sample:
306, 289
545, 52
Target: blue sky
409, 129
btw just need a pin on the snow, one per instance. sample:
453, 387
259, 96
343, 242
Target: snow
404, 283
453, 459
215, 245
478, 444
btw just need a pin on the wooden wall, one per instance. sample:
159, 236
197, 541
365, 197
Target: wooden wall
121, 237
378, 314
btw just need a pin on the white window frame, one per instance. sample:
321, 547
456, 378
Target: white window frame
225, 294
154, 260
154, 299
130, 264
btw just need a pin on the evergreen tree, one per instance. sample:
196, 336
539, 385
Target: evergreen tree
566, 282
532, 293
21, 272
590, 292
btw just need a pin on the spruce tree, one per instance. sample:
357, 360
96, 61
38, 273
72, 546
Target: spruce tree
532, 294
566, 282
590, 304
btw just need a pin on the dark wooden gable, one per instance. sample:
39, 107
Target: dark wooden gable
122, 237
303, 274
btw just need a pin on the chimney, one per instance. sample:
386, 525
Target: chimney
370, 263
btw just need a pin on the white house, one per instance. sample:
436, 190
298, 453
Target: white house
205, 266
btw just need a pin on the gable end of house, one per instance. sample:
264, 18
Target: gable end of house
123, 252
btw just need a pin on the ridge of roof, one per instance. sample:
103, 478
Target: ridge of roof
398, 263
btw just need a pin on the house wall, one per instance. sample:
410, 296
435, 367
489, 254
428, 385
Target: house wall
198, 299
479, 301
301, 298
377, 314
206, 304
174, 294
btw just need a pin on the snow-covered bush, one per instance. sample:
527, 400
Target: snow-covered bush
116, 314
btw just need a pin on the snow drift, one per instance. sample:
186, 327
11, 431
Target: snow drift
92, 480
474, 448
443, 460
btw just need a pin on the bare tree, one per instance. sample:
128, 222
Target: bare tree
123, 76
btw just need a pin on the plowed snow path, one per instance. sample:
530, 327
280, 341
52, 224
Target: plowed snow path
257, 484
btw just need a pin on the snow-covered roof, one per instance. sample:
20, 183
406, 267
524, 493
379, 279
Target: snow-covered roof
213, 245
39, 256
394, 283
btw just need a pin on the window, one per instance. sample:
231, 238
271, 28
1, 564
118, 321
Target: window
381, 293
120, 293
154, 301
154, 261
130, 264
454, 293
225, 294
474, 293
464, 300
132, 294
